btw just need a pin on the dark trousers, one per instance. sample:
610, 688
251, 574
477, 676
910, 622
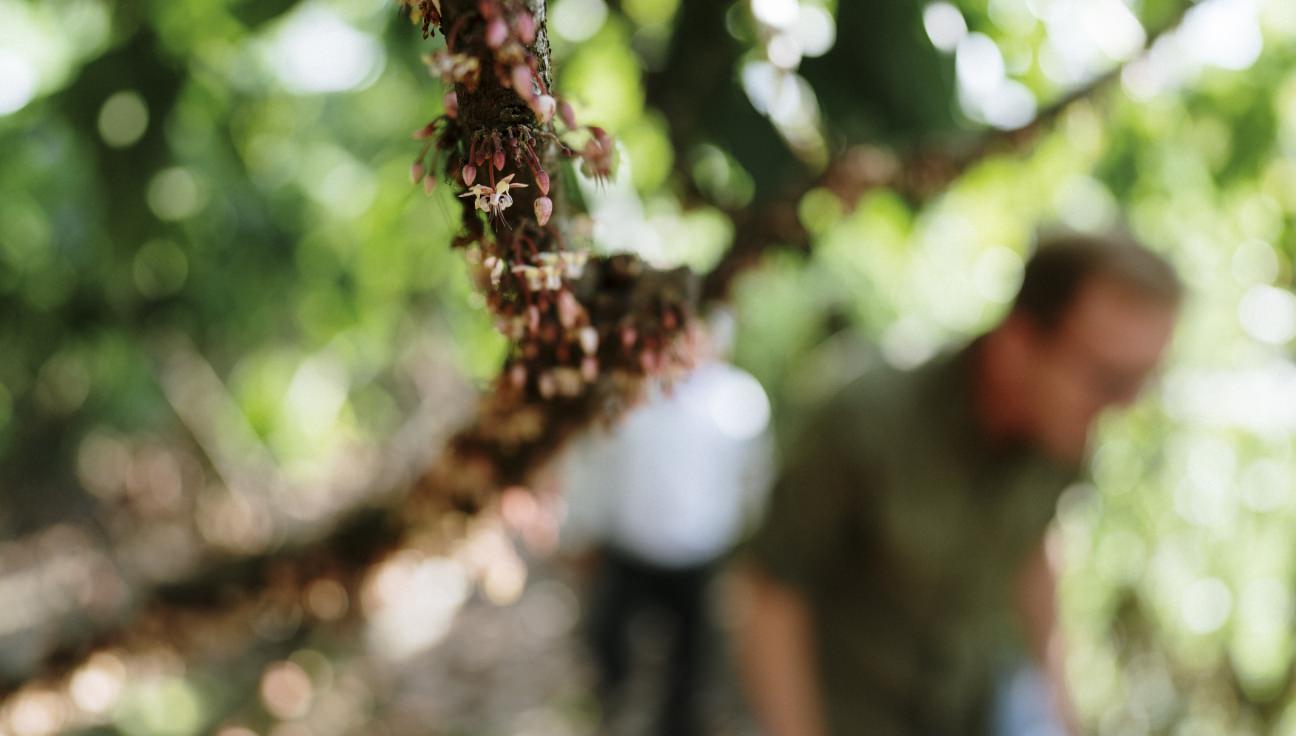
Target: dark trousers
626, 586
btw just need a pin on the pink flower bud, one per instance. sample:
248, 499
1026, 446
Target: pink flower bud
569, 310
522, 83
545, 107
469, 174
429, 184
533, 318
543, 209
628, 337
451, 104
499, 159
568, 114
542, 181
425, 132
589, 368
417, 170
525, 27
496, 33
648, 361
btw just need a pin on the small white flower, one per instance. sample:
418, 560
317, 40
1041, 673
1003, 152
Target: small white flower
454, 68
496, 266
493, 200
534, 276
545, 106
574, 262
551, 270
553, 278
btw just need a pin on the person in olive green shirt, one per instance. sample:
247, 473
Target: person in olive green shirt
901, 564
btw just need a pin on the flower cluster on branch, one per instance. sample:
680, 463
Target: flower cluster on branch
585, 330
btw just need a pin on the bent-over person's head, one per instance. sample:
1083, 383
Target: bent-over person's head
1088, 327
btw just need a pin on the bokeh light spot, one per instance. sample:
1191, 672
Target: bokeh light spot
174, 194
286, 690
945, 25
1254, 262
17, 81
776, 13
327, 599
1268, 314
1205, 605
315, 51
739, 407
165, 707
123, 119
816, 30
997, 272
97, 685
577, 20
36, 713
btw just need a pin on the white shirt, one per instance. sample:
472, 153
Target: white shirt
676, 480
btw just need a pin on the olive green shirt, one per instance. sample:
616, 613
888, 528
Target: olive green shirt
904, 529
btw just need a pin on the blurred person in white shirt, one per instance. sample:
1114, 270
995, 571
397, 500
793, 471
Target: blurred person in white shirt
664, 495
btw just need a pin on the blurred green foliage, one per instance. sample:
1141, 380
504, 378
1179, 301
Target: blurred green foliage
183, 170
233, 178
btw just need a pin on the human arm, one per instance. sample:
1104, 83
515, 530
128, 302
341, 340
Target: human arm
776, 653
789, 563
1036, 601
